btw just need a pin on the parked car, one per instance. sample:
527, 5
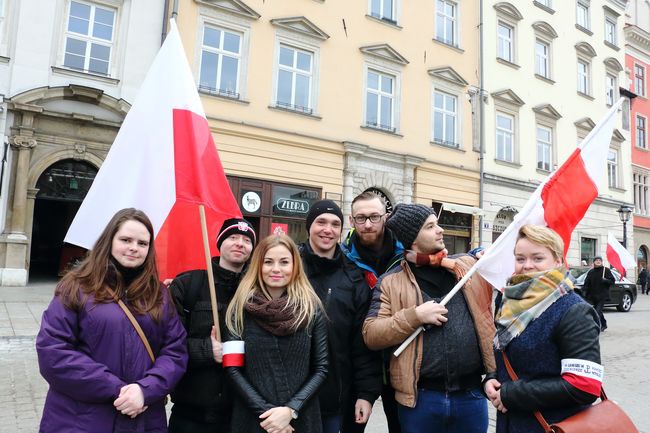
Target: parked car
622, 294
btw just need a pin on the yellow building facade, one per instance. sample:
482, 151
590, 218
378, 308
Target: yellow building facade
325, 99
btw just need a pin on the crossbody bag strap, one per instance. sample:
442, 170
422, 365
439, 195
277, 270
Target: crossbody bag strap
540, 418
135, 324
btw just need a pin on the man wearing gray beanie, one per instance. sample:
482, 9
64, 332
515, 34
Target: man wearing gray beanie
444, 392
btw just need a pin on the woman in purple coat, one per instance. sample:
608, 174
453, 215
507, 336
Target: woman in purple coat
100, 375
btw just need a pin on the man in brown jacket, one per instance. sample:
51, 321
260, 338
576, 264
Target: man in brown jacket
437, 379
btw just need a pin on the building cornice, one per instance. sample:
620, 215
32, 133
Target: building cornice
637, 37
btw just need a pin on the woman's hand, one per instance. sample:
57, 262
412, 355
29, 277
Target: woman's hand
131, 400
217, 349
276, 420
493, 392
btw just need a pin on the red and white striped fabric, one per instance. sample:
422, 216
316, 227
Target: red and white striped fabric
585, 375
164, 162
618, 256
233, 354
560, 202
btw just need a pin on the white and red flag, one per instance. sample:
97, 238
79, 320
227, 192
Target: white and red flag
233, 353
560, 202
618, 256
165, 163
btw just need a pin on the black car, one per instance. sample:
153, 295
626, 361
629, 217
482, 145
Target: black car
622, 294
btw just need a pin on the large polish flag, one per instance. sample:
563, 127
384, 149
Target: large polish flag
618, 256
560, 202
165, 163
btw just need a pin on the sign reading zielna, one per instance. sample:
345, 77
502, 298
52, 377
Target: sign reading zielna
292, 205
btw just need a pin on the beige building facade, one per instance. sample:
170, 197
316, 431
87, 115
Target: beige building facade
552, 70
328, 99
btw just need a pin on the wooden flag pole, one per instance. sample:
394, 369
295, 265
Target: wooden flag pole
208, 265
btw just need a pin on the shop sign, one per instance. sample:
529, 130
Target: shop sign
292, 205
251, 201
279, 228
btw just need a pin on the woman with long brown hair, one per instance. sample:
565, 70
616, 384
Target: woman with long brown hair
102, 377
276, 315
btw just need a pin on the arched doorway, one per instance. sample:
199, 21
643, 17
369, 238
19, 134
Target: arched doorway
642, 257
61, 189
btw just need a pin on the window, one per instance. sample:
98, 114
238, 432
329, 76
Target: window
610, 30
380, 95
587, 249
445, 115
641, 188
610, 88
293, 89
542, 66
505, 137
89, 38
583, 77
446, 22
639, 80
582, 14
641, 135
612, 168
220, 61
544, 148
546, 3
506, 42
383, 9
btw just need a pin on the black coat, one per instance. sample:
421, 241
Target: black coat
280, 371
202, 394
354, 370
597, 283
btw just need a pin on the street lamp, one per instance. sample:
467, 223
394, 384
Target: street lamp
624, 212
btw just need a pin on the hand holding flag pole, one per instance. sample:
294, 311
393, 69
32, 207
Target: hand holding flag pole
208, 266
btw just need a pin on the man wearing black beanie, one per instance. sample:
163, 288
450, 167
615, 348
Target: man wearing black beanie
354, 379
202, 400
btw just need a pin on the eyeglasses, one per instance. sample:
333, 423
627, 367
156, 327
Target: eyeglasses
361, 219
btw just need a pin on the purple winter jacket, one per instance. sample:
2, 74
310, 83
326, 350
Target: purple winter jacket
86, 357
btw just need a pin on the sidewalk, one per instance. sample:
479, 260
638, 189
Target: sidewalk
21, 308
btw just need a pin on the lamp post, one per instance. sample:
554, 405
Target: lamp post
624, 212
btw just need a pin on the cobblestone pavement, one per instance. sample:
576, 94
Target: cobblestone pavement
625, 350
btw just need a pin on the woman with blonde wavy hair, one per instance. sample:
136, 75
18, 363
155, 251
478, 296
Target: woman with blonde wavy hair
276, 315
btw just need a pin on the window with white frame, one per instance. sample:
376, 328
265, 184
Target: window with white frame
610, 89
505, 35
220, 61
610, 30
612, 168
383, 9
641, 132
445, 119
89, 37
446, 22
294, 82
582, 14
639, 79
544, 148
583, 76
380, 100
542, 58
641, 198
505, 139
547, 3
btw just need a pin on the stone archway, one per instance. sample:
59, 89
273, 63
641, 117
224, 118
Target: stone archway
60, 189
642, 257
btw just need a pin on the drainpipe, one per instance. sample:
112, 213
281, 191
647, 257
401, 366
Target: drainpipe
164, 23
175, 9
481, 124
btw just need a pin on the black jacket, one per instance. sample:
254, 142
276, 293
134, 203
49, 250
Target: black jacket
280, 371
202, 394
354, 370
597, 283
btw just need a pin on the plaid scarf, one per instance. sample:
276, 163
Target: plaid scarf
525, 298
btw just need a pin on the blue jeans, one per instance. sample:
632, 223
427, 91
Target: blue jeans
439, 412
332, 424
